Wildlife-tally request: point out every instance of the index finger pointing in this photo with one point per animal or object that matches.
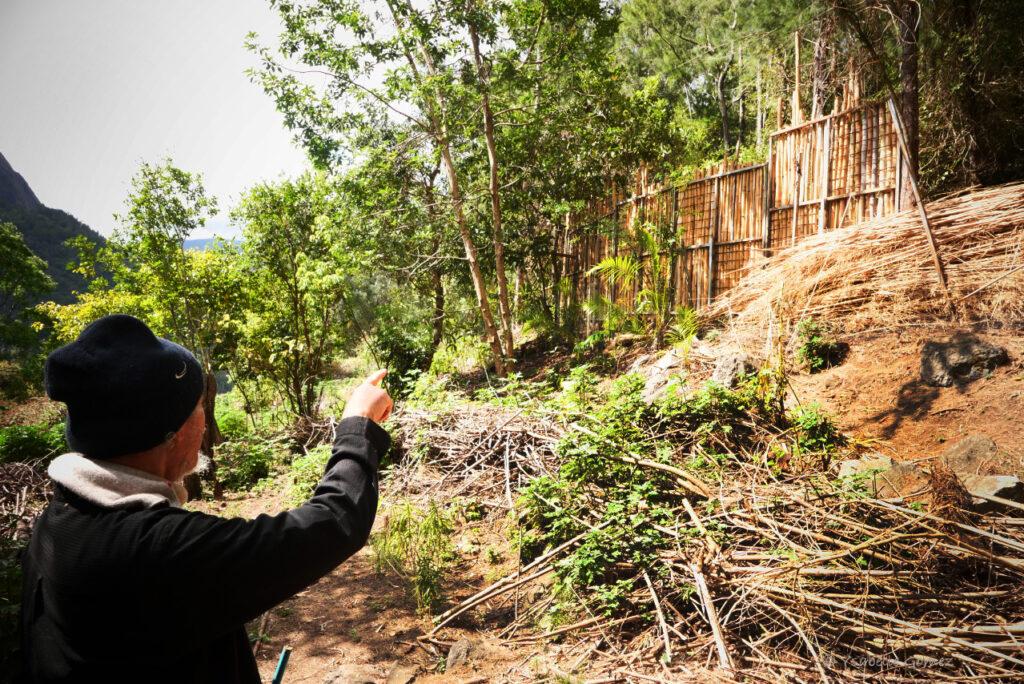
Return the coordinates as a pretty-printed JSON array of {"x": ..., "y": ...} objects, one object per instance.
[{"x": 377, "y": 377}]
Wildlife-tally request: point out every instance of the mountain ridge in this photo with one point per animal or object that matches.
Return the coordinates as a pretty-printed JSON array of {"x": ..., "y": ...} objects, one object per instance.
[{"x": 44, "y": 230}]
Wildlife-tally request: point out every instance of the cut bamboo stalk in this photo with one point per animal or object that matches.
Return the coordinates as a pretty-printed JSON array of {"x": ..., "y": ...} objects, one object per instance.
[
  {"x": 901, "y": 138},
  {"x": 724, "y": 659}
]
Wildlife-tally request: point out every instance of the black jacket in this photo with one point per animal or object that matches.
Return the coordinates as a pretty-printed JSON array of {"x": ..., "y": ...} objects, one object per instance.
[{"x": 162, "y": 594}]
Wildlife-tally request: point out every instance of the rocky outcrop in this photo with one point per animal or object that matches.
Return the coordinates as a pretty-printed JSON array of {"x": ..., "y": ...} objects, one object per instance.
[
  {"x": 974, "y": 455},
  {"x": 731, "y": 367},
  {"x": 959, "y": 360},
  {"x": 884, "y": 478}
]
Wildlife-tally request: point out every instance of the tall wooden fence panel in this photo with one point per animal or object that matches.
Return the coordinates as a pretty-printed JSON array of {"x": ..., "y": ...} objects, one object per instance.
[
  {"x": 820, "y": 175},
  {"x": 831, "y": 172}
]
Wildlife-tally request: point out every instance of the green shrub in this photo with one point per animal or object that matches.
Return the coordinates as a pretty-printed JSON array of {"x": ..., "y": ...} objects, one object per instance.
[
  {"x": 686, "y": 326},
  {"x": 595, "y": 342},
  {"x": 13, "y": 384},
  {"x": 233, "y": 422},
  {"x": 306, "y": 473},
  {"x": 815, "y": 431},
  {"x": 243, "y": 462},
  {"x": 819, "y": 348},
  {"x": 405, "y": 352},
  {"x": 31, "y": 442},
  {"x": 417, "y": 544}
]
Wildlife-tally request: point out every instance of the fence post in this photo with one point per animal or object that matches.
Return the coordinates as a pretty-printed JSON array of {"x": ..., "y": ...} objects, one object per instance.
[
  {"x": 796, "y": 189},
  {"x": 899, "y": 177},
  {"x": 673, "y": 254},
  {"x": 615, "y": 248},
  {"x": 769, "y": 174},
  {"x": 712, "y": 238},
  {"x": 826, "y": 170}
]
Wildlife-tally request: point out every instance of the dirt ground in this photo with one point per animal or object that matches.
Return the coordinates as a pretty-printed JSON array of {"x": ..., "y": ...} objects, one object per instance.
[
  {"x": 877, "y": 396},
  {"x": 358, "y": 625}
]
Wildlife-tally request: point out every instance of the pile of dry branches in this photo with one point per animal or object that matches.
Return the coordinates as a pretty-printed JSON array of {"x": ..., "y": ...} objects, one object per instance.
[
  {"x": 479, "y": 450},
  {"x": 881, "y": 273},
  {"x": 797, "y": 577},
  {"x": 24, "y": 491}
]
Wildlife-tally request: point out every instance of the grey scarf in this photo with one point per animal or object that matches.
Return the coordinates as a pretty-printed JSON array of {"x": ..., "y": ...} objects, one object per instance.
[{"x": 112, "y": 485}]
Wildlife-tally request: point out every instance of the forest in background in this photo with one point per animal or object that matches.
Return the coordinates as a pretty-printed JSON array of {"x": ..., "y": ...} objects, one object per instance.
[{"x": 449, "y": 142}]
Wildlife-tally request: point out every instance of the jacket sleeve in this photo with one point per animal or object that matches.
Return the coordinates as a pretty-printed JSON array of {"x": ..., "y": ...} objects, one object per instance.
[{"x": 219, "y": 573}]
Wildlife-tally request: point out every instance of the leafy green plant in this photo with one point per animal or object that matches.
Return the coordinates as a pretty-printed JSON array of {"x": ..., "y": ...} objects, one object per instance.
[
  {"x": 686, "y": 326},
  {"x": 31, "y": 442},
  {"x": 815, "y": 432},
  {"x": 232, "y": 421},
  {"x": 244, "y": 461},
  {"x": 818, "y": 348},
  {"x": 403, "y": 346},
  {"x": 416, "y": 543},
  {"x": 594, "y": 342},
  {"x": 306, "y": 472}
]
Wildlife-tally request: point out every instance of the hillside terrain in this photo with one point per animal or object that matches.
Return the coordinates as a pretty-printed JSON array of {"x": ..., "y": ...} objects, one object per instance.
[
  {"x": 361, "y": 623},
  {"x": 45, "y": 230}
]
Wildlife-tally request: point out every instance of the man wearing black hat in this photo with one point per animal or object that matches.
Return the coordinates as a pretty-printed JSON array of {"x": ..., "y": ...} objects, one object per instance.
[{"x": 121, "y": 583}]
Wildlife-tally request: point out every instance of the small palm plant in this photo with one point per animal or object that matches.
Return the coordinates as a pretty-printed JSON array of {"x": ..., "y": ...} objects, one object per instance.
[{"x": 652, "y": 274}]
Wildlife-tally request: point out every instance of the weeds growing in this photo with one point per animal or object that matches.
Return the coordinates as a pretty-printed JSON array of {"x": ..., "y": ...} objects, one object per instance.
[{"x": 417, "y": 544}]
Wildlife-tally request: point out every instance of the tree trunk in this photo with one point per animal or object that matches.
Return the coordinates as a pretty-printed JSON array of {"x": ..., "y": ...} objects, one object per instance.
[
  {"x": 965, "y": 19},
  {"x": 438, "y": 320},
  {"x": 723, "y": 106},
  {"x": 439, "y": 131},
  {"x": 496, "y": 225},
  {"x": 909, "y": 86},
  {"x": 818, "y": 79},
  {"x": 557, "y": 270},
  {"x": 491, "y": 330},
  {"x": 211, "y": 438},
  {"x": 760, "y": 109}
]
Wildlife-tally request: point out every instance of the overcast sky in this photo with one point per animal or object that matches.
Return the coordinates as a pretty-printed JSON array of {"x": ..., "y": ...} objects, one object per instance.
[{"x": 90, "y": 88}]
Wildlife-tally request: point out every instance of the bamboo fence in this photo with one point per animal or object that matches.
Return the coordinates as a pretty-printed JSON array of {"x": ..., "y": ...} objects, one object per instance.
[{"x": 820, "y": 175}]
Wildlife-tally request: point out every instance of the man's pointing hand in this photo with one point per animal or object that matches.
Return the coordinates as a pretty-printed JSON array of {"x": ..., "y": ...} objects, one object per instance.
[{"x": 369, "y": 400}]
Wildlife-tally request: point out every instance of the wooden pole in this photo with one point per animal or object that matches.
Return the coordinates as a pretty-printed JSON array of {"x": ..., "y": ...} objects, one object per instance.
[
  {"x": 769, "y": 173},
  {"x": 797, "y": 114},
  {"x": 796, "y": 189},
  {"x": 673, "y": 255},
  {"x": 899, "y": 179},
  {"x": 826, "y": 170},
  {"x": 615, "y": 249},
  {"x": 713, "y": 238},
  {"x": 912, "y": 177}
]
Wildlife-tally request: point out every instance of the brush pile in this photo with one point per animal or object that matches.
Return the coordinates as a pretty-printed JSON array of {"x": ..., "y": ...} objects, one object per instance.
[
  {"x": 480, "y": 450},
  {"x": 24, "y": 491},
  {"x": 881, "y": 273},
  {"x": 725, "y": 543}
]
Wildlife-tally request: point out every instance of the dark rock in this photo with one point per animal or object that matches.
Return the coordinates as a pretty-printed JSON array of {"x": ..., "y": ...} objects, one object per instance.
[
  {"x": 959, "y": 360},
  {"x": 974, "y": 455},
  {"x": 458, "y": 654},
  {"x": 625, "y": 341}
]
